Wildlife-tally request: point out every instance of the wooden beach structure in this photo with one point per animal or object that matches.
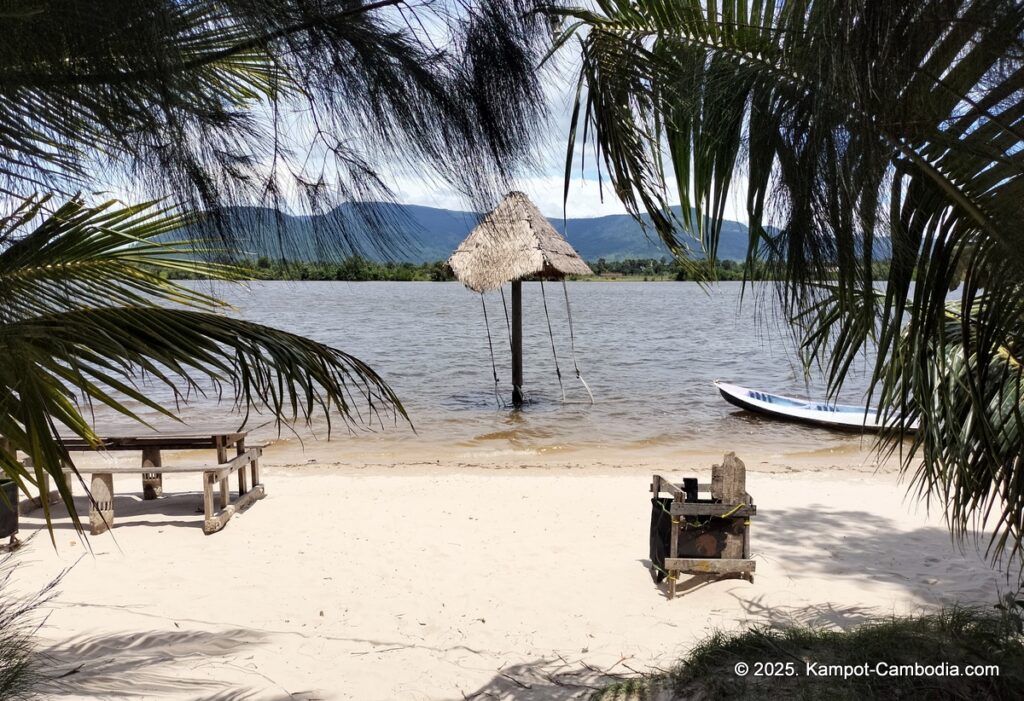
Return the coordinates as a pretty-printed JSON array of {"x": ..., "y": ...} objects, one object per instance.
[
  {"x": 215, "y": 478},
  {"x": 702, "y": 536},
  {"x": 514, "y": 242}
]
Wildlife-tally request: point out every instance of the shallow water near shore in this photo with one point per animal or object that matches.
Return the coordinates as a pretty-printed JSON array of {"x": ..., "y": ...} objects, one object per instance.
[{"x": 648, "y": 351}]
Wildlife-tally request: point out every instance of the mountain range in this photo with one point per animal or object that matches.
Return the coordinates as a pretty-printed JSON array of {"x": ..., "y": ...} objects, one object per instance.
[{"x": 421, "y": 234}]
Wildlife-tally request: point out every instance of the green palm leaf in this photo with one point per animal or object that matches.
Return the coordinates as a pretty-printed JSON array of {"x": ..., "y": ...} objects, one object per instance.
[
  {"x": 239, "y": 101},
  {"x": 863, "y": 130},
  {"x": 83, "y": 322}
]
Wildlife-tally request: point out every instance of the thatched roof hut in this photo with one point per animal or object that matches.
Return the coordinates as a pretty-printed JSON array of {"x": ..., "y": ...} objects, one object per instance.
[{"x": 512, "y": 242}]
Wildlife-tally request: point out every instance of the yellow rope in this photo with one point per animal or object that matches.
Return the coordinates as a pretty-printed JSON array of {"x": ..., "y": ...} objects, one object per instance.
[{"x": 731, "y": 511}]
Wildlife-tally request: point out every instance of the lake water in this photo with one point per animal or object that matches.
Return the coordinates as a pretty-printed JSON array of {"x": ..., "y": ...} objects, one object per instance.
[{"x": 649, "y": 352}]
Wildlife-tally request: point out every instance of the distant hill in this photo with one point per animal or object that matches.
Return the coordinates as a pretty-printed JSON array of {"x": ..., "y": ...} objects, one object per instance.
[{"x": 423, "y": 234}]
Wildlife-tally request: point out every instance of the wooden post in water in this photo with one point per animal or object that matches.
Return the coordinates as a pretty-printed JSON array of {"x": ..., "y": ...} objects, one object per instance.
[{"x": 517, "y": 343}]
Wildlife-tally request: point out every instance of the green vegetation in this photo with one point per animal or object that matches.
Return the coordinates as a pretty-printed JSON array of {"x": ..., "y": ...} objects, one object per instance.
[
  {"x": 21, "y": 668},
  {"x": 353, "y": 268},
  {"x": 197, "y": 101},
  {"x": 850, "y": 125},
  {"x": 668, "y": 269},
  {"x": 83, "y": 311},
  {"x": 357, "y": 268},
  {"x": 890, "y": 648}
]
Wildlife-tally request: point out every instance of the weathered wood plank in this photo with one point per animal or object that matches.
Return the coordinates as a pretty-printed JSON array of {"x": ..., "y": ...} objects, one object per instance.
[
  {"x": 690, "y": 508},
  {"x": 239, "y": 461},
  {"x": 239, "y": 451},
  {"x": 729, "y": 480},
  {"x": 214, "y": 523},
  {"x": 665, "y": 486},
  {"x": 254, "y": 468},
  {"x": 152, "y": 480},
  {"x": 710, "y": 566},
  {"x": 208, "y": 509},
  {"x": 746, "y": 532},
  {"x": 232, "y": 464},
  {"x": 138, "y": 469},
  {"x": 673, "y": 548},
  {"x": 101, "y": 511},
  {"x": 101, "y": 515},
  {"x": 165, "y": 441}
]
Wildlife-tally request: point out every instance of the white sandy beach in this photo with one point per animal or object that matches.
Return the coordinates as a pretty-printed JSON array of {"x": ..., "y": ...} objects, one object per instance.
[{"x": 425, "y": 581}]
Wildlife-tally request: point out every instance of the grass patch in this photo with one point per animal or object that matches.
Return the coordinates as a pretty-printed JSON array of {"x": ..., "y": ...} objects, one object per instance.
[
  {"x": 21, "y": 662},
  {"x": 948, "y": 642}
]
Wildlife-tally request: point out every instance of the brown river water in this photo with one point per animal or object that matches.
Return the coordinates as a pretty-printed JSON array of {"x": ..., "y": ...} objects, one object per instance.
[{"x": 648, "y": 351}]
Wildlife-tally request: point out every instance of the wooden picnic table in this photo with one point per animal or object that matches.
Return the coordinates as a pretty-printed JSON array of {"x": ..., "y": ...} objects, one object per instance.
[{"x": 152, "y": 469}]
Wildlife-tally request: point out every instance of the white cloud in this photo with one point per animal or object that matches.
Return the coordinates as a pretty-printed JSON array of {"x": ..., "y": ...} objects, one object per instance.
[
  {"x": 546, "y": 191},
  {"x": 546, "y": 187}
]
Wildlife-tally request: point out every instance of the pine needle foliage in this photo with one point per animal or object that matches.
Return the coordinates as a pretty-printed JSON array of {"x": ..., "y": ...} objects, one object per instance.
[
  {"x": 202, "y": 104},
  {"x": 287, "y": 103}
]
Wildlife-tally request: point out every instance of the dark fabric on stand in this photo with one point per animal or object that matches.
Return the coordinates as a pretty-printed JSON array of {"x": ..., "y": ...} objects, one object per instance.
[
  {"x": 8, "y": 508},
  {"x": 661, "y": 534}
]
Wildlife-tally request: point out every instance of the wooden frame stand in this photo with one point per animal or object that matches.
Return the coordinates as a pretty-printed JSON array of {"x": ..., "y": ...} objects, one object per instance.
[{"x": 707, "y": 536}]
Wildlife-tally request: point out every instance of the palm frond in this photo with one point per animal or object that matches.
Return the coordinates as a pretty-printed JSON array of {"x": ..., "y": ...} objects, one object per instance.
[
  {"x": 79, "y": 256},
  {"x": 865, "y": 130},
  {"x": 256, "y": 101},
  {"x": 86, "y": 318}
]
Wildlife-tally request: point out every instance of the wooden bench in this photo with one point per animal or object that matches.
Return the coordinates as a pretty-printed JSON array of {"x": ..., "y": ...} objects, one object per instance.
[
  {"x": 709, "y": 536},
  {"x": 101, "y": 512},
  {"x": 245, "y": 465}
]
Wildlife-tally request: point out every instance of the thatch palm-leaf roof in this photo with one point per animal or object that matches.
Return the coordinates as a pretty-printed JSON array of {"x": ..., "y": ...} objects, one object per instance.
[{"x": 512, "y": 242}]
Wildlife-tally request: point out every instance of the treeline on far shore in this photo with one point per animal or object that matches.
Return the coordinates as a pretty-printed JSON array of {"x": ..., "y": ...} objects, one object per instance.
[{"x": 358, "y": 269}]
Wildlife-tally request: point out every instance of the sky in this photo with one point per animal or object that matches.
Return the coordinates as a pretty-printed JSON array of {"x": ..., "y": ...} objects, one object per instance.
[{"x": 546, "y": 186}]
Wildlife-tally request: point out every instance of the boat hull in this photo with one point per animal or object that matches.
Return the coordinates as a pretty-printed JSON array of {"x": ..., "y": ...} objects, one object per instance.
[{"x": 834, "y": 416}]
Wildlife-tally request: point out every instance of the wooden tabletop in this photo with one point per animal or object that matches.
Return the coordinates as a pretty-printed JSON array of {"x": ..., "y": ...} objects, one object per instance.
[{"x": 163, "y": 441}]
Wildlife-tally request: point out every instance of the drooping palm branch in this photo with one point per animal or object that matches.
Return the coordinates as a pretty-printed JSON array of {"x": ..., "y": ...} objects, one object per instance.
[
  {"x": 216, "y": 103},
  {"x": 283, "y": 102},
  {"x": 85, "y": 316},
  {"x": 859, "y": 130}
]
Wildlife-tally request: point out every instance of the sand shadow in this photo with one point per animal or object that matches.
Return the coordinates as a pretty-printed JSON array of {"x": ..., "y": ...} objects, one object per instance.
[
  {"x": 150, "y": 665},
  {"x": 178, "y": 510},
  {"x": 687, "y": 583},
  {"x": 819, "y": 540},
  {"x": 549, "y": 680},
  {"x": 826, "y": 615}
]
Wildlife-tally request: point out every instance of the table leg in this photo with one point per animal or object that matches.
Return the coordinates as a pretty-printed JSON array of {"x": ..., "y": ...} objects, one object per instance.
[
  {"x": 152, "y": 482},
  {"x": 66, "y": 473},
  {"x": 225, "y": 490},
  {"x": 254, "y": 470},
  {"x": 240, "y": 450},
  {"x": 208, "y": 495},
  {"x": 101, "y": 512}
]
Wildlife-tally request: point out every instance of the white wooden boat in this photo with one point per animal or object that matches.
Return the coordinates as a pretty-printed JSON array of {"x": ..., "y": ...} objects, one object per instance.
[{"x": 841, "y": 416}]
